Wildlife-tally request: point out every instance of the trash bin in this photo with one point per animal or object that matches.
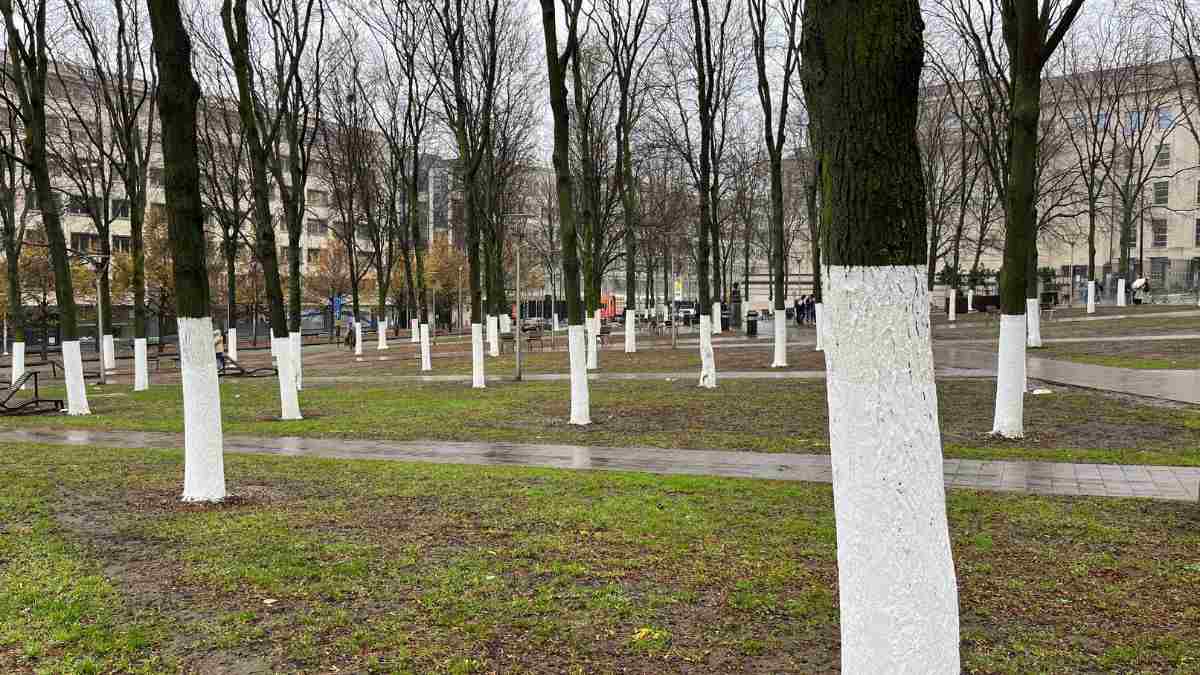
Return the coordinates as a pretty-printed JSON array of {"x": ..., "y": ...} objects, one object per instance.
[
  {"x": 752, "y": 323},
  {"x": 724, "y": 320}
]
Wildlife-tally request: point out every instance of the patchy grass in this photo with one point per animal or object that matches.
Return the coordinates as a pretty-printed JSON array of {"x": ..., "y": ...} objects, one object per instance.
[
  {"x": 412, "y": 568},
  {"x": 1137, "y": 324},
  {"x": 1143, "y": 354},
  {"x": 758, "y": 416}
]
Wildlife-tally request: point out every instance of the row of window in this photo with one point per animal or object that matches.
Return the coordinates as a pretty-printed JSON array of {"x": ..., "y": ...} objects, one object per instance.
[
  {"x": 1134, "y": 119},
  {"x": 90, "y": 243},
  {"x": 1159, "y": 233}
]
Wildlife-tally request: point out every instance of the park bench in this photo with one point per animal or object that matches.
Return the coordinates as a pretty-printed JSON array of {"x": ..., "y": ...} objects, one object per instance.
[
  {"x": 234, "y": 369},
  {"x": 534, "y": 335},
  {"x": 33, "y": 406}
]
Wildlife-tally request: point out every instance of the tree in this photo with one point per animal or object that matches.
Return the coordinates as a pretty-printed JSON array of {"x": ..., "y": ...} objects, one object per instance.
[
  {"x": 24, "y": 91},
  {"x": 775, "y": 135},
  {"x": 12, "y": 230},
  {"x": 556, "y": 69},
  {"x": 862, "y": 65},
  {"x": 179, "y": 94}
]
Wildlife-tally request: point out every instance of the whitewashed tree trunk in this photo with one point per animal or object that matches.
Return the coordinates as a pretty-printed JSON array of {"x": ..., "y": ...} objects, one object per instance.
[
  {"x": 381, "y": 343},
  {"x": 555, "y": 317},
  {"x": 203, "y": 440},
  {"x": 708, "y": 362},
  {"x": 580, "y": 404},
  {"x": 426, "y": 359},
  {"x": 970, "y": 300},
  {"x": 77, "y": 403},
  {"x": 1010, "y": 378},
  {"x": 358, "y": 338},
  {"x": 630, "y": 333},
  {"x": 896, "y": 582},
  {"x": 1033, "y": 322},
  {"x": 716, "y": 318},
  {"x": 231, "y": 344},
  {"x": 593, "y": 341},
  {"x": 477, "y": 376},
  {"x": 18, "y": 360},
  {"x": 953, "y": 307},
  {"x": 1091, "y": 299},
  {"x": 1120, "y": 292},
  {"x": 414, "y": 326},
  {"x": 818, "y": 324},
  {"x": 780, "y": 327},
  {"x": 297, "y": 361},
  {"x": 493, "y": 335},
  {"x": 141, "y": 366},
  {"x": 505, "y": 324},
  {"x": 110, "y": 353},
  {"x": 289, "y": 402}
]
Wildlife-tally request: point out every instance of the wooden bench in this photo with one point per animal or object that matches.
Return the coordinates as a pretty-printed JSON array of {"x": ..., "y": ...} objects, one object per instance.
[
  {"x": 533, "y": 335},
  {"x": 33, "y": 406},
  {"x": 234, "y": 369}
]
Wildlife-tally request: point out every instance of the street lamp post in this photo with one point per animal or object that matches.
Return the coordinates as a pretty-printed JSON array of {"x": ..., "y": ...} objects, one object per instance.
[
  {"x": 460, "y": 303},
  {"x": 517, "y": 338}
]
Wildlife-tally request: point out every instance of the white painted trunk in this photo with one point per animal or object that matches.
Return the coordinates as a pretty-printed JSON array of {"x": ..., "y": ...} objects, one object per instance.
[
  {"x": 1120, "y": 292},
  {"x": 381, "y": 342},
  {"x": 231, "y": 344},
  {"x": 274, "y": 356},
  {"x": 297, "y": 359},
  {"x": 110, "y": 353},
  {"x": 77, "y": 403},
  {"x": 716, "y": 318},
  {"x": 289, "y": 402},
  {"x": 493, "y": 335},
  {"x": 141, "y": 366},
  {"x": 1091, "y": 299},
  {"x": 580, "y": 404},
  {"x": 1010, "y": 378},
  {"x": 505, "y": 323},
  {"x": 555, "y": 317},
  {"x": 1033, "y": 322},
  {"x": 593, "y": 341},
  {"x": 630, "y": 333},
  {"x": 477, "y": 377},
  {"x": 358, "y": 338},
  {"x": 898, "y": 598},
  {"x": 970, "y": 300},
  {"x": 819, "y": 325},
  {"x": 953, "y": 308},
  {"x": 708, "y": 362},
  {"x": 414, "y": 326},
  {"x": 780, "y": 323},
  {"x": 426, "y": 360},
  {"x": 18, "y": 360},
  {"x": 203, "y": 441}
]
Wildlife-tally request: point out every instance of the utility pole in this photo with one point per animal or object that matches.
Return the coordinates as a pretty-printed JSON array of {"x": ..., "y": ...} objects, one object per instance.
[{"x": 517, "y": 336}]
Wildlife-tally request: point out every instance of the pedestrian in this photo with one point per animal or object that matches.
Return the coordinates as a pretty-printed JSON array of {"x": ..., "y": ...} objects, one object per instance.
[
  {"x": 797, "y": 307},
  {"x": 810, "y": 309},
  {"x": 219, "y": 346}
]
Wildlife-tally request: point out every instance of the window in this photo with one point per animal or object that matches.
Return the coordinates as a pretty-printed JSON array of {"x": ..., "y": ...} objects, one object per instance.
[
  {"x": 283, "y": 255},
  {"x": 77, "y": 205},
  {"x": 1162, "y": 191},
  {"x": 1198, "y": 231},
  {"x": 317, "y": 227},
  {"x": 155, "y": 175},
  {"x": 1159, "y": 227},
  {"x": 1158, "y": 270},
  {"x": 1102, "y": 120},
  {"x": 120, "y": 244},
  {"x": 1136, "y": 119},
  {"x": 1162, "y": 158},
  {"x": 1166, "y": 119},
  {"x": 314, "y": 256},
  {"x": 317, "y": 197},
  {"x": 120, "y": 208},
  {"x": 1078, "y": 120},
  {"x": 82, "y": 241}
]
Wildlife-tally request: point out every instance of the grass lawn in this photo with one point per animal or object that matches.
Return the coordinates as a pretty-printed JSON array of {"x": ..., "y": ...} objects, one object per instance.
[
  {"x": 317, "y": 565},
  {"x": 1138, "y": 325},
  {"x": 759, "y": 416},
  {"x": 1132, "y": 353}
]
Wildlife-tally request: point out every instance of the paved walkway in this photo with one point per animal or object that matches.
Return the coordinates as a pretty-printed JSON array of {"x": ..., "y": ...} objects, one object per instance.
[
  {"x": 1048, "y": 478},
  {"x": 602, "y": 376}
]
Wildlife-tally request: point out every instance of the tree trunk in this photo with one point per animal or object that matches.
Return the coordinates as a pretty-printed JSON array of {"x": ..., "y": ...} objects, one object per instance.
[
  {"x": 137, "y": 249},
  {"x": 862, "y": 64},
  {"x": 204, "y": 474}
]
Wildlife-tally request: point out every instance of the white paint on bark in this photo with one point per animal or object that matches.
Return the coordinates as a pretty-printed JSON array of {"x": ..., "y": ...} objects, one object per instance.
[
  {"x": 414, "y": 326},
  {"x": 505, "y": 323},
  {"x": 77, "y": 403},
  {"x": 593, "y": 341},
  {"x": 493, "y": 335},
  {"x": 1120, "y": 292},
  {"x": 970, "y": 300},
  {"x": 818, "y": 324},
  {"x": 141, "y": 366},
  {"x": 110, "y": 353},
  {"x": 289, "y": 401},
  {"x": 556, "y": 322},
  {"x": 897, "y": 593},
  {"x": 296, "y": 353},
  {"x": 952, "y": 308},
  {"x": 477, "y": 377},
  {"x": 780, "y": 322},
  {"x": 203, "y": 442},
  {"x": 630, "y": 333},
  {"x": 426, "y": 360},
  {"x": 708, "y": 362},
  {"x": 1010, "y": 378},
  {"x": 1033, "y": 322},
  {"x": 358, "y": 338},
  {"x": 716, "y": 318},
  {"x": 18, "y": 360},
  {"x": 580, "y": 404},
  {"x": 1091, "y": 298},
  {"x": 381, "y": 342},
  {"x": 231, "y": 344}
]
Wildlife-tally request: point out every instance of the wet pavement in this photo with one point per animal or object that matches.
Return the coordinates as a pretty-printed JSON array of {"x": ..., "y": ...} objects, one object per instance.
[
  {"x": 1046, "y": 478},
  {"x": 610, "y": 377}
]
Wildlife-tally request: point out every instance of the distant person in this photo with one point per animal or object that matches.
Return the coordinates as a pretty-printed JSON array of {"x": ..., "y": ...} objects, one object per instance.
[
  {"x": 797, "y": 308},
  {"x": 219, "y": 346}
]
